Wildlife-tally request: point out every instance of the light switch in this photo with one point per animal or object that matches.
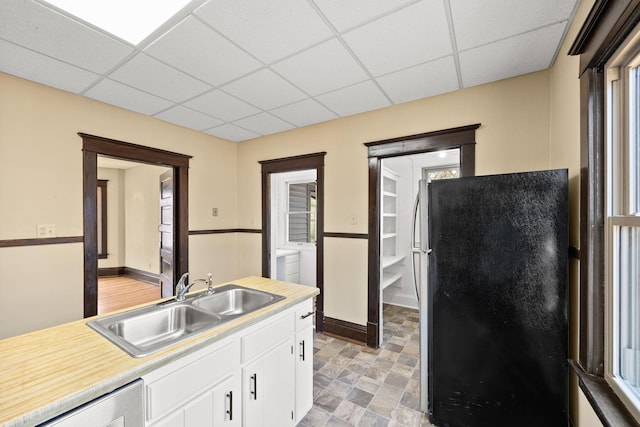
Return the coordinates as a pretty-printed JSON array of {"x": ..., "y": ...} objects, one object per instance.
[
  {"x": 46, "y": 230},
  {"x": 214, "y": 211}
]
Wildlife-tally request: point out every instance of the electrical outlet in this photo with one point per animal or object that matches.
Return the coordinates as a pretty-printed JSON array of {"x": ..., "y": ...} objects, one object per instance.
[
  {"x": 46, "y": 230},
  {"x": 354, "y": 220},
  {"x": 214, "y": 211}
]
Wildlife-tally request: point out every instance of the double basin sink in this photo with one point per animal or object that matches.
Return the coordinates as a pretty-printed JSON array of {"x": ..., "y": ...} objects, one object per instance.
[{"x": 149, "y": 329}]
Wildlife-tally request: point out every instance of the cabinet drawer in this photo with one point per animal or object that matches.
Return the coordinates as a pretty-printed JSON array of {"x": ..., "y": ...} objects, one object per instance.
[
  {"x": 290, "y": 259},
  {"x": 304, "y": 315},
  {"x": 175, "y": 386},
  {"x": 261, "y": 340}
]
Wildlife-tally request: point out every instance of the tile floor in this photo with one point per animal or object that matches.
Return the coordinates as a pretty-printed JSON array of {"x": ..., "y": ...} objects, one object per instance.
[{"x": 360, "y": 386}]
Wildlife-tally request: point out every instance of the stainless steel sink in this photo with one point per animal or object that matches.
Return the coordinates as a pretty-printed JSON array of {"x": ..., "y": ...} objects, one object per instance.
[
  {"x": 233, "y": 301},
  {"x": 148, "y": 329}
]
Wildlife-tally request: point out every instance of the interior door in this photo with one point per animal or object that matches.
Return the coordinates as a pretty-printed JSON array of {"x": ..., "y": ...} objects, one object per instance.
[{"x": 167, "y": 281}]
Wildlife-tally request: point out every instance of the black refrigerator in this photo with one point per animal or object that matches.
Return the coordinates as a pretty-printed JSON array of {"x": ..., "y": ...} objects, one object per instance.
[{"x": 497, "y": 300}]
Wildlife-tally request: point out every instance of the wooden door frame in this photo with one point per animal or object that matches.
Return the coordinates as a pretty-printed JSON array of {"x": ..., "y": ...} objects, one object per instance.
[
  {"x": 460, "y": 137},
  {"x": 290, "y": 164},
  {"x": 164, "y": 177},
  {"x": 92, "y": 146}
]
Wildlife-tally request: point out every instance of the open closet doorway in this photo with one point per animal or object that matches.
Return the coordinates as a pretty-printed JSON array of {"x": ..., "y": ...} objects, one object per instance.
[
  {"x": 399, "y": 252},
  {"x": 293, "y": 223}
]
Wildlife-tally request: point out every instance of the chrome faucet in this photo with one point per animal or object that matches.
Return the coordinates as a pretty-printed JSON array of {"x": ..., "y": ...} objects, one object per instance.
[{"x": 183, "y": 287}]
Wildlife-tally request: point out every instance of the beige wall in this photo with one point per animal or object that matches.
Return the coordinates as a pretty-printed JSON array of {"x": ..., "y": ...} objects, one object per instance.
[
  {"x": 115, "y": 218},
  {"x": 41, "y": 183},
  {"x": 142, "y": 217},
  {"x": 564, "y": 151},
  {"x": 514, "y": 136}
]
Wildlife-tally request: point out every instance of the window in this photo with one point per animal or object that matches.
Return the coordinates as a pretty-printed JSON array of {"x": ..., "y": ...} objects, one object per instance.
[
  {"x": 622, "y": 225},
  {"x": 301, "y": 212}
]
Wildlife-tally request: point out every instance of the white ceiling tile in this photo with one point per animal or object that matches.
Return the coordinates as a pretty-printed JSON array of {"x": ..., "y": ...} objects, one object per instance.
[
  {"x": 344, "y": 15},
  {"x": 264, "y": 89},
  {"x": 264, "y": 124},
  {"x": 231, "y": 132},
  {"x": 421, "y": 81},
  {"x": 270, "y": 30},
  {"x": 33, "y": 66},
  {"x": 221, "y": 105},
  {"x": 304, "y": 113},
  {"x": 117, "y": 94},
  {"x": 480, "y": 22},
  {"x": 198, "y": 50},
  {"x": 511, "y": 57},
  {"x": 188, "y": 118},
  {"x": 151, "y": 75},
  {"x": 43, "y": 30},
  {"x": 321, "y": 69},
  {"x": 355, "y": 99},
  {"x": 411, "y": 36}
]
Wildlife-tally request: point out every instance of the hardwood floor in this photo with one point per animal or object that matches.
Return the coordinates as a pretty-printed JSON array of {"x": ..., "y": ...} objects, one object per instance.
[{"x": 115, "y": 293}]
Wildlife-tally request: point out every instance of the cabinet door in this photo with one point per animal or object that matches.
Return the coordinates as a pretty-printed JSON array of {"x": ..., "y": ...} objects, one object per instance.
[
  {"x": 268, "y": 389},
  {"x": 279, "y": 374},
  {"x": 226, "y": 403},
  {"x": 176, "y": 419},
  {"x": 218, "y": 406},
  {"x": 252, "y": 394},
  {"x": 304, "y": 373}
]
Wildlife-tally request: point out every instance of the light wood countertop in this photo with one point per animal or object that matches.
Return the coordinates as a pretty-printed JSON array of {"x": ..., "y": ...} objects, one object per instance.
[{"x": 48, "y": 372}]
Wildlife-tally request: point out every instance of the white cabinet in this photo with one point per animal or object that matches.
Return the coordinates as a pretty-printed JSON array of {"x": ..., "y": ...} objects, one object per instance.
[
  {"x": 288, "y": 265},
  {"x": 268, "y": 373},
  {"x": 268, "y": 388},
  {"x": 193, "y": 391},
  {"x": 304, "y": 359},
  {"x": 260, "y": 376}
]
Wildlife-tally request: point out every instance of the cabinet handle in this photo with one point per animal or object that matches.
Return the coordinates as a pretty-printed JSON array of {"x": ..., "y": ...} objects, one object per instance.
[
  {"x": 230, "y": 410},
  {"x": 304, "y": 316},
  {"x": 254, "y": 392},
  {"x": 302, "y": 350}
]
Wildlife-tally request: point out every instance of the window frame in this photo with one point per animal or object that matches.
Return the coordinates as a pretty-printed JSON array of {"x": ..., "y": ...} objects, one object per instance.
[
  {"x": 607, "y": 25},
  {"x": 622, "y": 171},
  {"x": 288, "y": 212}
]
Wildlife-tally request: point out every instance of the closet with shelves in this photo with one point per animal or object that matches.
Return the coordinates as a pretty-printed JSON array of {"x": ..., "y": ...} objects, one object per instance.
[{"x": 391, "y": 265}]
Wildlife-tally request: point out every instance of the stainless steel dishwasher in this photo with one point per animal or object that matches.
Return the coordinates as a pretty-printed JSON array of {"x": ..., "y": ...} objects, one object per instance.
[{"x": 122, "y": 407}]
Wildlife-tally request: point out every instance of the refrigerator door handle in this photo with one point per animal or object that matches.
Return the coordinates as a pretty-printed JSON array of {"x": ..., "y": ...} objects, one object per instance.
[
  {"x": 414, "y": 218},
  {"x": 423, "y": 199}
]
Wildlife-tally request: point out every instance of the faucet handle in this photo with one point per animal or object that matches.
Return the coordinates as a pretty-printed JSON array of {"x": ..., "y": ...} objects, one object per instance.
[{"x": 210, "y": 283}]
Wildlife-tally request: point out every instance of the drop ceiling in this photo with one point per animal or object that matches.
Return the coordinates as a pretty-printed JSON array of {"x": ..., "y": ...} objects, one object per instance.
[{"x": 240, "y": 69}]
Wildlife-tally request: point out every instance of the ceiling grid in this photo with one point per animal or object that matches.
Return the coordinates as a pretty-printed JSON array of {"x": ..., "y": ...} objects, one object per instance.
[{"x": 240, "y": 69}]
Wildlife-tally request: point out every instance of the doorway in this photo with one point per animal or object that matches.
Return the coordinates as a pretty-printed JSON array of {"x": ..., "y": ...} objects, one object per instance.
[
  {"x": 462, "y": 138},
  {"x": 94, "y": 146},
  {"x": 399, "y": 241},
  {"x": 133, "y": 204},
  {"x": 291, "y": 236},
  {"x": 294, "y": 200}
]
